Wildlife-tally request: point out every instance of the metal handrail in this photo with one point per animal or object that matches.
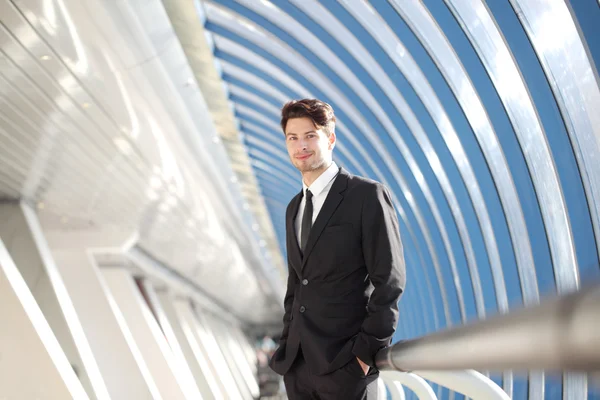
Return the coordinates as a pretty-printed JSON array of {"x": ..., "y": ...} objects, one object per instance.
[{"x": 562, "y": 333}]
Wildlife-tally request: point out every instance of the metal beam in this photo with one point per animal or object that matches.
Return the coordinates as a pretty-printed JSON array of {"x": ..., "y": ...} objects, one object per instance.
[{"x": 561, "y": 334}]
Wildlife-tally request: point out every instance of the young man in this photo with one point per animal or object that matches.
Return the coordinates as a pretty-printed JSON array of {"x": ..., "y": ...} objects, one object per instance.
[{"x": 346, "y": 267}]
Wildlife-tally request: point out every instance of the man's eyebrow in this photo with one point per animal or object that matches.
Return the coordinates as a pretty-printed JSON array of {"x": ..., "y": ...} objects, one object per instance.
[{"x": 293, "y": 133}]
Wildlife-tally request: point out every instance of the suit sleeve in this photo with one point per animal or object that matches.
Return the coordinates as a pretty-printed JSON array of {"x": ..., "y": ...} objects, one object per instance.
[
  {"x": 384, "y": 259},
  {"x": 288, "y": 301},
  {"x": 292, "y": 280}
]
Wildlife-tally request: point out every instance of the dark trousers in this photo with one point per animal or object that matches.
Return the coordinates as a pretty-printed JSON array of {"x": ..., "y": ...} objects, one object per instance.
[{"x": 347, "y": 383}]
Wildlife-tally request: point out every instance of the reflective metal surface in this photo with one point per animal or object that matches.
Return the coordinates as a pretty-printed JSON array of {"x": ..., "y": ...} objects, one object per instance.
[
  {"x": 495, "y": 55},
  {"x": 562, "y": 54},
  {"x": 438, "y": 47},
  {"x": 561, "y": 51},
  {"x": 561, "y": 333}
]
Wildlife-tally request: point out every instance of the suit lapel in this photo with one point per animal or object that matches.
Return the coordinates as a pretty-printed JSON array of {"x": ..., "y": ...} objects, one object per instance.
[
  {"x": 333, "y": 200},
  {"x": 294, "y": 253}
]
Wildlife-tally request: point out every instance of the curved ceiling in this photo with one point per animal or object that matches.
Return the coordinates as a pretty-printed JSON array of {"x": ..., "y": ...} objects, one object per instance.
[
  {"x": 105, "y": 131},
  {"x": 480, "y": 117}
]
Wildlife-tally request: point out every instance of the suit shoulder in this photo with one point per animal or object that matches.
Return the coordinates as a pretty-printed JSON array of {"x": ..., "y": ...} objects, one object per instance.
[
  {"x": 366, "y": 184},
  {"x": 290, "y": 203},
  {"x": 371, "y": 191},
  {"x": 289, "y": 206}
]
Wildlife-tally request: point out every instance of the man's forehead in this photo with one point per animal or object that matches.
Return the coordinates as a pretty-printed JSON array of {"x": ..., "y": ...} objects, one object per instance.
[{"x": 301, "y": 122}]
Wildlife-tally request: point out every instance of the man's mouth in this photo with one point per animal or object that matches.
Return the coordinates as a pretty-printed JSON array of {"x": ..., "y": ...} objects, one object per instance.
[{"x": 303, "y": 156}]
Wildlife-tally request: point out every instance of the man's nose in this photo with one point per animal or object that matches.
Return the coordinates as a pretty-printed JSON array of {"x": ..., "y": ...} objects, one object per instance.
[{"x": 301, "y": 143}]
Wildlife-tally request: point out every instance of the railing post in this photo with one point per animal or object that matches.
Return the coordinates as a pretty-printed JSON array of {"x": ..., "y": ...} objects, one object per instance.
[
  {"x": 395, "y": 380},
  {"x": 381, "y": 389},
  {"x": 468, "y": 382},
  {"x": 395, "y": 388}
]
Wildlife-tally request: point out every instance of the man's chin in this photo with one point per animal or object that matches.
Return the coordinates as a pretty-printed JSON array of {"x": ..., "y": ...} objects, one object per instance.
[
  {"x": 306, "y": 168},
  {"x": 303, "y": 168}
]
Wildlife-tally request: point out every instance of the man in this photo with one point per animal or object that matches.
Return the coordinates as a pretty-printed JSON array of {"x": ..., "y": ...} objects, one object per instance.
[{"x": 346, "y": 267}]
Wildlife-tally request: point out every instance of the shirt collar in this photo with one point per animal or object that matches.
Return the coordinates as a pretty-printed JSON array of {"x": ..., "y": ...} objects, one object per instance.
[{"x": 323, "y": 180}]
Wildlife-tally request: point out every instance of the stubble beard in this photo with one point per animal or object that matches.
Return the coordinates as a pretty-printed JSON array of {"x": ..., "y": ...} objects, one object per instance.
[{"x": 314, "y": 166}]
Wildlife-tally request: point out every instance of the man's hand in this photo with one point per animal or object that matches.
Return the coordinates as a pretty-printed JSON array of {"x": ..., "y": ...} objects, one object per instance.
[{"x": 364, "y": 366}]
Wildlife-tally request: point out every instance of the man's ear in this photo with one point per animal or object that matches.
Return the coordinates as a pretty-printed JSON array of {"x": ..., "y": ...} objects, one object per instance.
[{"x": 332, "y": 139}]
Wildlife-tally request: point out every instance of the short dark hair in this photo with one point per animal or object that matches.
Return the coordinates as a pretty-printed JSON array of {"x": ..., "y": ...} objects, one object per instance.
[{"x": 318, "y": 111}]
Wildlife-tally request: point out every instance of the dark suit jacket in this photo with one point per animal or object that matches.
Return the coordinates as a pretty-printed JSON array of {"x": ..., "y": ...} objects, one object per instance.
[{"x": 342, "y": 294}]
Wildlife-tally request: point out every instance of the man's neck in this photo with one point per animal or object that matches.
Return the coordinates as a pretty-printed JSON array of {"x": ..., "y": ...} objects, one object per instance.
[{"x": 309, "y": 177}]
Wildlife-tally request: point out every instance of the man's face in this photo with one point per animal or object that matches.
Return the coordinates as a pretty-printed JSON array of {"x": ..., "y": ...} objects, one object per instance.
[{"x": 309, "y": 149}]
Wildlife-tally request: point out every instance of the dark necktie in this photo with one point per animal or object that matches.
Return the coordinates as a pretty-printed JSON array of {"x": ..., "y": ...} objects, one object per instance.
[{"x": 306, "y": 220}]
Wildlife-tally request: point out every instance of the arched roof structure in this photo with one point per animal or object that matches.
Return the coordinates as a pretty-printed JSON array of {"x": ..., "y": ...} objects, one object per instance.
[{"x": 479, "y": 116}]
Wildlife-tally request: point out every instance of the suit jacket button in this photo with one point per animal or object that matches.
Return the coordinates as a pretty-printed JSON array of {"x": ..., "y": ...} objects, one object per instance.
[
  {"x": 302, "y": 309},
  {"x": 305, "y": 282}
]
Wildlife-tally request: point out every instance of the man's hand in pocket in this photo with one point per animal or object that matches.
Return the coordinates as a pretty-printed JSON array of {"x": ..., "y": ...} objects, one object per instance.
[{"x": 364, "y": 366}]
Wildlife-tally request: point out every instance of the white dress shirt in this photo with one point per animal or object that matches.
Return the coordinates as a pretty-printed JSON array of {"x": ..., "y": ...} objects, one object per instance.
[{"x": 319, "y": 188}]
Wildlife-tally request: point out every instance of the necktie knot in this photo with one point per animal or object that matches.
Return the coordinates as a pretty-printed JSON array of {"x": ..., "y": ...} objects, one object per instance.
[{"x": 309, "y": 195}]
